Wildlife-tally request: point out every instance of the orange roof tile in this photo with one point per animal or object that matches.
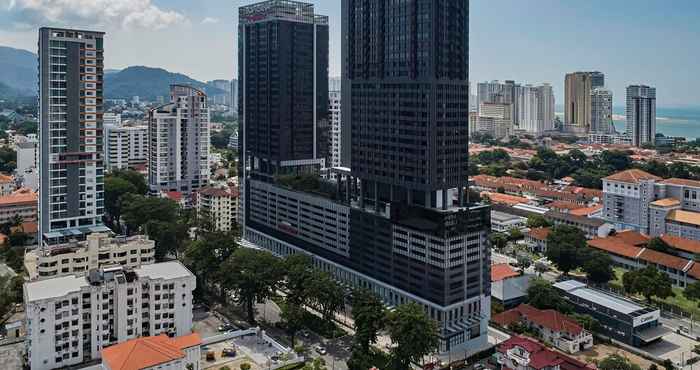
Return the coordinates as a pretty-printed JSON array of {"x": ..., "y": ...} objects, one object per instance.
[
  {"x": 561, "y": 204},
  {"x": 632, "y": 176},
  {"x": 504, "y": 198},
  {"x": 141, "y": 353},
  {"x": 587, "y": 210},
  {"x": 663, "y": 259},
  {"x": 632, "y": 237},
  {"x": 20, "y": 196},
  {"x": 187, "y": 341},
  {"x": 686, "y": 245},
  {"x": 694, "y": 271},
  {"x": 686, "y": 217},
  {"x": 682, "y": 182},
  {"x": 615, "y": 246},
  {"x": 5, "y": 178},
  {"x": 502, "y": 271},
  {"x": 539, "y": 233},
  {"x": 666, "y": 202},
  {"x": 27, "y": 227},
  {"x": 551, "y": 319}
]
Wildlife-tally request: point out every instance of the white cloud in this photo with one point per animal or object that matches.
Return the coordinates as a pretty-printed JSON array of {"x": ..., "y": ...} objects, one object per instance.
[
  {"x": 123, "y": 13},
  {"x": 210, "y": 20}
]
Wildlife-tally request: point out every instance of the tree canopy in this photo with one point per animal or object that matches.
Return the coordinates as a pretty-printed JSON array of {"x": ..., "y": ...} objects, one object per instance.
[
  {"x": 598, "y": 267},
  {"x": 649, "y": 282},
  {"x": 413, "y": 334},
  {"x": 617, "y": 362},
  {"x": 566, "y": 248}
]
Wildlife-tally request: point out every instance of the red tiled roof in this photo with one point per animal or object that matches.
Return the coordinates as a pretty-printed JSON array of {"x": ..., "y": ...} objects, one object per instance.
[
  {"x": 5, "y": 178},
  {"x": 27, "y": 227},
  {"x": 682, "y": 182},
  {"x": 141, "y": 353},
  {"x": 694, "y": 271},
  {"x": 502, "y": 271},
  {"x": 174, "y": 195},
  {"x": 504, "y": 198},
  {"x": 664, "y": 259},
  {"x": 587, "y": 210},
  {"x": 541, "y": 357},
  {"x": 187, "y": 341},
  {"x": 506, "y": 318},
  {"x": 615, "y": 246},
  {"x": 632, "y": 237},
  {"x": 561, "y": 204},
  {"x": 686, "y": 245},
  {"x": 539, "y": 233},
  {"x": 632, "y": 176},
  {"x": 551, "y": 319},
  {"x": 20, "y": 196}
]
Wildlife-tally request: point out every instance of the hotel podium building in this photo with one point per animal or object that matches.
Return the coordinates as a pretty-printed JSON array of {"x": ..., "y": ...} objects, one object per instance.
[{"x": 397, "y": 221}]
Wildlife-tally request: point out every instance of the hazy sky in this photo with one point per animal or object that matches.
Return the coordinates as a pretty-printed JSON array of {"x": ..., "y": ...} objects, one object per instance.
[{"x": 655, "y": 42}]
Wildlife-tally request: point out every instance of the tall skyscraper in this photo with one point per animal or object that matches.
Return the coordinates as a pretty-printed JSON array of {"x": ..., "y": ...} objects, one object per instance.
[
  {"x": 283, "y": 64},
  {"x": 71, "y": 202},
  {"x": 234, "y": 96},
  {"x": 577, "y": 99},
  {"x": 641, "y": 114},
  {"x": 602, "y": 111},
  {"x": 178, "y": 132},
  {"x": 334, "y": 102},
  {"x": 546, "y": 108}
]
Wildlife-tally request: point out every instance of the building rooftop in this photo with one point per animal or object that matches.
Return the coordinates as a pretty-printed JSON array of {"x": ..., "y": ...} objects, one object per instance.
[
  {"x": 587, "y": 211},
  {"x": 686, "y": 217},
  {"x": 574, "y": 219},
  {"x": 666, "y": 202},
  {"x": 686, "y": 245},
  {"x": 541, "y": 357},
  {"x": 51, "y": 288},
  {"x": 682, "y": 182},
  {"x": 504, "y": 198},
  {"x": 19, "y": 196},
  {"x": 633, "y": 176},
  {"x": 503, "y": 217},
  {"x": 147, "y": 352},
  {"x": 503, "y": 271},
  {"x": 612, "y": 302},
  {"x": 163, "y": 270},
  {"x": 539, "y": 233},
  {"x": 550, "y": 319}
]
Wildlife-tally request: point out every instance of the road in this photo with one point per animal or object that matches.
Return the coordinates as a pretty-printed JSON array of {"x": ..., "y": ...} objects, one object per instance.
[{"x": 496, "y": 258}]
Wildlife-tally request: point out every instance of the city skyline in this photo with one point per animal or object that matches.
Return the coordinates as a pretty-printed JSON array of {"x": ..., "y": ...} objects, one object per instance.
[{"x": 543, "y": 53}]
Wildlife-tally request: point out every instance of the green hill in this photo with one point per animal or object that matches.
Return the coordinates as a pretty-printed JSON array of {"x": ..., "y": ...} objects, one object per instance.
[{"x": 148, "y": 83}]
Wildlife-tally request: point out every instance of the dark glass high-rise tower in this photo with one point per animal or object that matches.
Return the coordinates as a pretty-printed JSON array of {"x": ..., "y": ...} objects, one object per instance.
[
  {"x": 407, "y": 71},
  {"x": 283, "y": 86}
]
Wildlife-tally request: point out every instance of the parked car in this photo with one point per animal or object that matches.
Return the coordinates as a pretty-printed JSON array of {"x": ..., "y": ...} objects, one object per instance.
[
  {"x": 228, "y": 352},
  {"x": 211, "y": 356},
  {"x": 225, "y": 327},
  {"x": 321, "y": 351}
]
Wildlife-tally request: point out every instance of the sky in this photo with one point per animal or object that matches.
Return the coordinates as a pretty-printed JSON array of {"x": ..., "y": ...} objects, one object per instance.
[{"x": 653, "y": 42}]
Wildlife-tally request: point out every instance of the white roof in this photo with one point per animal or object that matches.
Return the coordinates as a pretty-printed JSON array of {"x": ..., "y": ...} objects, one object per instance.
[
  {"x": 164, "y": 270},
  {"x": 591, "y": 295},
  {"x": 53, "y": 288}
]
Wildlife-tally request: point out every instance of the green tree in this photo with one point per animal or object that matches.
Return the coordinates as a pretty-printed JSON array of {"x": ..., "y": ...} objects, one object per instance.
[
  {"x": 252, "y": 275},
  {"x": 245, "y": 366},
  {"x": 327, "y": 295},
  {"x": 616, "y": 160},
  {"x": 660, "y": 245},
  {"x": 134, "y": 178},
  {"x": 116, "y": 188},
  {"x": 8, "y": 160},
  {"x": 205, "y": 256},
  {"x": 413, "y": 334},
  {"x": 138, "y": 210},
  {"x": 515, "y": 234},
  {"x": 524, "y": 261},
  {"x": 292, "y": 316},
  {"x": 368, "y": 314},
  {"x": 498, "y": 240},
  {"x": 692, "y": 291},
  {"x": 617, "y": 362},
  {"x": 317, "y": 364},
  {"x": 541, "y": 294},
  {"x": 587, "y": 321},
  {"x": 300, "y": 274},
  {"x": 537, "y": 221},
  {"x": 566, "y": 248},
  {"x": 668, "y": 365},
  {"x": 649, "y": 282},
  {"x": 598, "y": 267}
]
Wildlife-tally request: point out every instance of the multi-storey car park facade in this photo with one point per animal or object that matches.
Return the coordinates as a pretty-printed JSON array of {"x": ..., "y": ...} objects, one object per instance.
[
  {"x": 71, "y": 147},
  {"x": 178, "y": 134},
  {"x": 71, "y": 319},
  {"x": 398, "y": 223}
]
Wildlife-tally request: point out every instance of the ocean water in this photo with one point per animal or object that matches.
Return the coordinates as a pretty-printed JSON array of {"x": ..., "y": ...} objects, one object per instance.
[{"x": 684, "y": 122}]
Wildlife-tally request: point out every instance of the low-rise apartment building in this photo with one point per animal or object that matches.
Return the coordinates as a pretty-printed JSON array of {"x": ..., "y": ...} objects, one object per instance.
[
  {"x": 508, "y": 285},
  {"x": 79, "y": 257},
  {"x": 158, "y": 352},
  {"x": 552, "y": 327},
  {"x": 20, "y": 203},
  {"x": 536, "y": 239},
  {"x": 504, "y": 222},
  {"x": 71, "y": 319},
  {"x": 220, "y": 205},
  {"x": 591, "y": 227}
]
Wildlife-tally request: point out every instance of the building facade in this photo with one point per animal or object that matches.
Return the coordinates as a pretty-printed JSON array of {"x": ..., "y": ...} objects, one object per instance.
[
  {"x": 71, "y": 192},
  {"x": 519, "y": 353},
  {"x": 220, "y": 205},
  {"x": 125, "y": 146},
  {"x": 152, "y": 353},
  {"x": 577, "y": 99},
  {"x": 283, "y": 58},
  {"x": 641, "y": 114},
  {"x": 602, "y": 111},
  {"x": 334, "y": 104},
  {"x": 97, "y": 251},
  {"x": 619, "y": 318},
  {"x": 71, "y": 319},
  {"x": 179, "y": 143},
  {"x": 399, "y": 226},
  {"x": 20, "y": 203}
]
